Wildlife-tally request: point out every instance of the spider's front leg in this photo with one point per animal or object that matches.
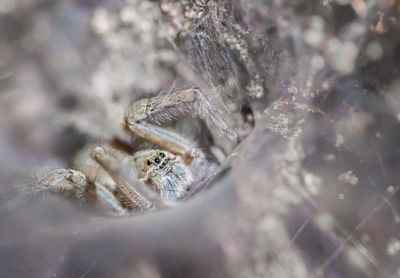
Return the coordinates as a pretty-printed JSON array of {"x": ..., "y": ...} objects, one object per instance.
[
  {"x": 170, "y": 105},
  {"x": 76, "y": 185},
  {"x": 125, "y": 177},
  {"x": 168, "y": 140}
]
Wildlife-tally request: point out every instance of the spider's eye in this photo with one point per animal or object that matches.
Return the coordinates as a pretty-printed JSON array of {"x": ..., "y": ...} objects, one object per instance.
[
  {"x": 148, "y": 162},
  {"x": 157, "y": 160},
  {"x": 164, "y": 163},
  {"x": 162, "y": 154}
]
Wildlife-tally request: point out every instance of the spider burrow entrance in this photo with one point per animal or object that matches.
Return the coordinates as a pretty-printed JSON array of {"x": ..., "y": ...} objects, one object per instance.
[{"x": 130, "y": 179}]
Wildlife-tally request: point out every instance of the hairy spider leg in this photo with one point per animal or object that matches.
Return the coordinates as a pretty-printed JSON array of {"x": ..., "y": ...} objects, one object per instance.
[
  {"x": 75, "y": 184},
  {"x": 170, "y": 105},
  {"x": 130, "y": 197},
  {"x": 167, "y": 139}
]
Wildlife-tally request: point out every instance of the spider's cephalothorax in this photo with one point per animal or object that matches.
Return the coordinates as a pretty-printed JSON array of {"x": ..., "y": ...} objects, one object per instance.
[
  {"x": 121, "y": 182},
  {"x": 163, "y": 171}
]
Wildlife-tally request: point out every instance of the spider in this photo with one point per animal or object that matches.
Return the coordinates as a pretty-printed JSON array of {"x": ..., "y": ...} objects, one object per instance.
[{"x": 150, "y": 178}]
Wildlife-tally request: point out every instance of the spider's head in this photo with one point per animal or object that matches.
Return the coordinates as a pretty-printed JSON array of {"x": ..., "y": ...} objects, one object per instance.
[{"x": 155, "y": 161}]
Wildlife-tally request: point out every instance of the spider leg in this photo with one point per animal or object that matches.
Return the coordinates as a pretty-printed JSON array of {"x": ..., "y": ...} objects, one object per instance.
[
  {"x": 75, "y": 184},
  {"x": 68, "y": 182},
  {"x": 124, "y": 180},
  {"x": 170, "y": 105},
  {"x": 167, "y": 139}
]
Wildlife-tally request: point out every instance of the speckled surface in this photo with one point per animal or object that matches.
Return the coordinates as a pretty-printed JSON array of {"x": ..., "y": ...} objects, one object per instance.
[{"x": 312, "y": 87}]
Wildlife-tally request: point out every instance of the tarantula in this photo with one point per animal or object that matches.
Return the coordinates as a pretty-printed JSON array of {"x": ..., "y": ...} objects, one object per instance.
[{"x": 149, "y": 178}]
